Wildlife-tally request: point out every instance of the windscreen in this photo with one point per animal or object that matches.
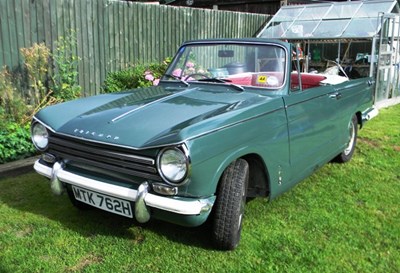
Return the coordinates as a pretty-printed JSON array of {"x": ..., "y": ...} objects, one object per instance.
[{"x": 261, "y": 66}]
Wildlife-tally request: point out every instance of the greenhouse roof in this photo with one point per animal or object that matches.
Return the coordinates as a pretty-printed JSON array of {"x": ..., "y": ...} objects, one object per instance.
[{"x": 353, "y": 19}]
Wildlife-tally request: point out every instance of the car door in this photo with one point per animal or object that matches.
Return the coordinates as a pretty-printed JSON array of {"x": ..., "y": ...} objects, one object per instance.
[{"x": 313, "y": 128}]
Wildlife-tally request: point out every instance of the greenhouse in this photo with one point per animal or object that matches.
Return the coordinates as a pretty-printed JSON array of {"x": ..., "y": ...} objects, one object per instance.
[{"x": 361, "y": 36}]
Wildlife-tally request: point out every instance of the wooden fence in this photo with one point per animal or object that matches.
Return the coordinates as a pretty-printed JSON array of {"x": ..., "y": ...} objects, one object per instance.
[{"x": 112, "y": 34}]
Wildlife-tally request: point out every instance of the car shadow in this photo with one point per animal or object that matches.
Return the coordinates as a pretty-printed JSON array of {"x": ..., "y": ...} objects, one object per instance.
[{"x": 31, "y": 193}]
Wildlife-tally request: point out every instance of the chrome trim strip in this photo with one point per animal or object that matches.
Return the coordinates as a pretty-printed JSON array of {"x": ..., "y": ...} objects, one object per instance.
[
  {"x": 44, "y": 124},
  {"x": 167, "y": 97},
  {"x": 68, "y": 143},
  {"x": 179, "y": 206}
]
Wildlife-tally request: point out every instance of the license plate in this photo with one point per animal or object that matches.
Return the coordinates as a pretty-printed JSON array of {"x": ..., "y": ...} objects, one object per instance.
[{"x": 104, "y": 202}]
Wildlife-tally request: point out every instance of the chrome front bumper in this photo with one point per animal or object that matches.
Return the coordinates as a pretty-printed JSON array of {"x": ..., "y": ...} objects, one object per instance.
[
  {"x": 142, "y": 198},
  {"x": 370, "y": 113}
]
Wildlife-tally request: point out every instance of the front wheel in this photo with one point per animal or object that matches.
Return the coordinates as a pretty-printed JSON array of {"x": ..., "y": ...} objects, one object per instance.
[
  {"x": 352, "y": 140},
  {"x": 229, "y": 206}
]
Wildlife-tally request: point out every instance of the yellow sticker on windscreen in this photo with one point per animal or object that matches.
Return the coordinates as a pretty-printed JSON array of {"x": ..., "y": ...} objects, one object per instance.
[{"x": 262, "y": 79}]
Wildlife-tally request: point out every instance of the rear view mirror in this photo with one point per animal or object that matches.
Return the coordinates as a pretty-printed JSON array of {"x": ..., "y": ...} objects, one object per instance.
[{"x": 226, "y": 53}]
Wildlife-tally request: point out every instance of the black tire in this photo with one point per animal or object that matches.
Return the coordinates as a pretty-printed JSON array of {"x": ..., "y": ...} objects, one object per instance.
[
  {"x": 229, "y": 205},
  {"x": 77, "y": 204},
  {"x": 348, "y": 152}
]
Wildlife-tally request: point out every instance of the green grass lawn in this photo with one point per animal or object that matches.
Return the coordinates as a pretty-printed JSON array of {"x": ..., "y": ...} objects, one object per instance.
[{"x": 344, "y": 218}]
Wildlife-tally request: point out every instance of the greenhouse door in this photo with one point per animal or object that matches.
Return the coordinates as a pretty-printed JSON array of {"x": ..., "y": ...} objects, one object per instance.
[{"x": 385, "y": 82}]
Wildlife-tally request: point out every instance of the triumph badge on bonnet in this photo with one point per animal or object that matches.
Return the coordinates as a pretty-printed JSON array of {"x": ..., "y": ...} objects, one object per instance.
[{"x": 82, "y": 132}]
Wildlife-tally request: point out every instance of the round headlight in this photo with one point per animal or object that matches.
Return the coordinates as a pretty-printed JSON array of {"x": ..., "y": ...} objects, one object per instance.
[
  {"x": 173, "y": 165},
  {"x": 40, "y": 136}
]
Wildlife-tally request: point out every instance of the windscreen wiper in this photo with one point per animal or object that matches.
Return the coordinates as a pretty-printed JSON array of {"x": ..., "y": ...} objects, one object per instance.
[
  {"x": 228, "y": 82},
  {"x": 177, "y": 78}
]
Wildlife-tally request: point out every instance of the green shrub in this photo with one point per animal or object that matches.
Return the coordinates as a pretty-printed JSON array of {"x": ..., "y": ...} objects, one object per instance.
[
  {"x": 65, "y": 79},
  {"x": 12, "y": 105},
  {"x": 15, "y": 142},
  {"x": 37, "y": 64},
  {"x": 44, "y": 86},
  {"x": 137, "y": 76}
]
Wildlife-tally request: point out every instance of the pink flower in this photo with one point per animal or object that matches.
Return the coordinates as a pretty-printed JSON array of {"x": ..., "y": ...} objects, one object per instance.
[
  {"x": 156, "y": 82},
  {"x": 177, "y": 72},
  {"x": 189, "y": 64},
  {"x": 147, "y": 72},
  {"x": 149, "y": 77}
]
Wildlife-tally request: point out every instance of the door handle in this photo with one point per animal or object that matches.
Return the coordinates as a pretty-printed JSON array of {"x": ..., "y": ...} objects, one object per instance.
[
  {"x": 335, "y": 95},
  {"x": 370, "y": 82}
]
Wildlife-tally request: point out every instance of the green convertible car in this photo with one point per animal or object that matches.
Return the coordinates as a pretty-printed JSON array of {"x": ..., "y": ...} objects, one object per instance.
[{"x": 229, "y": 120}]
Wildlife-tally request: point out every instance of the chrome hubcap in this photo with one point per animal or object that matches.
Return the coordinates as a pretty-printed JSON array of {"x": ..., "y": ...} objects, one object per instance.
[{"x": 352, "y": 136}]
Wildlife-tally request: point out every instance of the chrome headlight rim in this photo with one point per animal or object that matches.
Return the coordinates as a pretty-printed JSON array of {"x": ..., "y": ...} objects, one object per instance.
[
  {"x": 44, "y": 135},
  {"x": 183, "y": 151}
]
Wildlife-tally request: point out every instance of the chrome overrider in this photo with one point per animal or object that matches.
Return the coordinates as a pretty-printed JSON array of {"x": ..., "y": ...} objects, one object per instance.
[{"x": 142, "y": 198}]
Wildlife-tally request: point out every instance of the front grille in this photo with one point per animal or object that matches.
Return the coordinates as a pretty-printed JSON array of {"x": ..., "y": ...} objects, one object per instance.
[{"x": 103, "y": 156}]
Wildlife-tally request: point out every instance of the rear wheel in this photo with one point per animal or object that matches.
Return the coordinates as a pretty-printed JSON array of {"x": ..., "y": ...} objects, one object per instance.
[
  {"x": 348, "y": 152},
  {"x": 229, "y": 206}
]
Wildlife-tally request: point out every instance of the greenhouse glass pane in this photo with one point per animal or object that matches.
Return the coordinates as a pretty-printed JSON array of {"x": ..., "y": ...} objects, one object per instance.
[
  {"x": 287, "y": 14},
  {"x": 343, "y": 11},
  {"x": 363, "y": 27},
  {"x": 313, "y": 13},
  {"x": 275, "y": 30},
  {"x": 371, "y": 9},
  {"x": 330, "y": 28},
  {"x": 300, "y": 29}
]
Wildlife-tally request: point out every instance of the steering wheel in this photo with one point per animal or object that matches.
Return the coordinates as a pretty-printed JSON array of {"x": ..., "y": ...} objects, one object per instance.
[{"x": 197, "y": 74}]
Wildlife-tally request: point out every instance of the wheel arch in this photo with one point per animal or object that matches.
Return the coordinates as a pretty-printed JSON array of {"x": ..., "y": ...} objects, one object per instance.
[{"x": 259, "y": 180}]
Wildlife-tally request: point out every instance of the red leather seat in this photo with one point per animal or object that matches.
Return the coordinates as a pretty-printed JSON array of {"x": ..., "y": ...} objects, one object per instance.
[{"x": 307, "y": 80}]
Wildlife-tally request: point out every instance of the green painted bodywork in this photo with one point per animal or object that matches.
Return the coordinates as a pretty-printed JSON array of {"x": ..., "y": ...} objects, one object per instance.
[{"x": 291, "y": 133}]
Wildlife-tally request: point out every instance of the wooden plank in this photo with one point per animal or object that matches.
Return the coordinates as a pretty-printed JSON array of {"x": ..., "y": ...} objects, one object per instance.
[
  {"x": 26, "y": 23},
  {"x": 14, "y": 51},
  {"x": 4, "y": 34},
  {"x": 40, "y": 22},
  {"x": 106, "y": 42},
  {"x": 117, "y": 31},
  {"x": 136, "y": 26},
  {"x": 115, "y": 10},
  {"x": 18, "y": 167},
  {"x": 161, "y": 35},
  {"x": 90, "y": 46},
  {"x": 1, "y": 42},
  {"x": 76, "y": 6},
  {"x": 19, "y": 26},
  {"x": 141, "y": 32},
  {"x": 101, "y": 58},
  {"x": 53, "y": 24},
  {"x": 112, "y": 37},
  {"x": 85, "y": 46},
  {"x": 46, "y": 21},
  {"x": 60, "y": 7},
  {"x": 122, "y": 33},
  {"x": 152, "y": 11},
  {"x": 131, "y": 32},
  {"x": 126, "y": 35},
  {"x": 96, "y": 47}
]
